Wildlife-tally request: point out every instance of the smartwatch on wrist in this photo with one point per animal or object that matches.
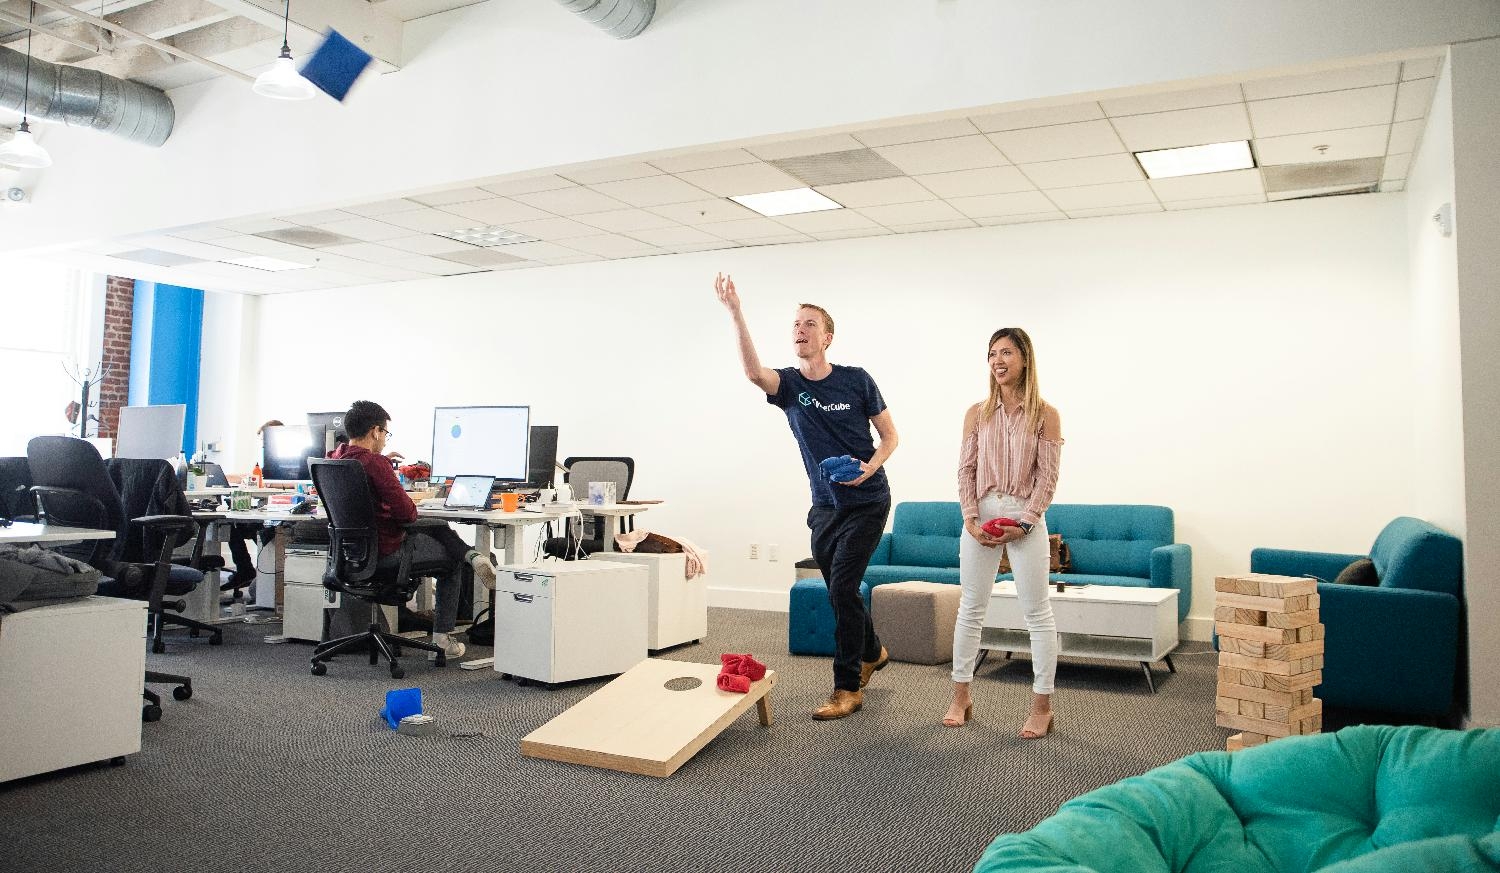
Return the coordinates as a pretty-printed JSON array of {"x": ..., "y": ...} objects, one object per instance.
[{"x": 1025, "y": 526}]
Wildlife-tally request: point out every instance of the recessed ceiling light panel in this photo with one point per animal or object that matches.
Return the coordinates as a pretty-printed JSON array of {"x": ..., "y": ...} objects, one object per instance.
[
  {"x": 1196, "y": 160},
  {"x": 488, "y": 236},
  {"x": 793, "y": 201}
]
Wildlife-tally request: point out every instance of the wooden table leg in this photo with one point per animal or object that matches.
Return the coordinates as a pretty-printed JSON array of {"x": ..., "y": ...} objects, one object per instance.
[{"x": 763, "y": 707}]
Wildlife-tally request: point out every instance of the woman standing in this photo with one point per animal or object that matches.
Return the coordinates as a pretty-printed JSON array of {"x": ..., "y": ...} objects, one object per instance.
[{"x": 1007, "y": 469}]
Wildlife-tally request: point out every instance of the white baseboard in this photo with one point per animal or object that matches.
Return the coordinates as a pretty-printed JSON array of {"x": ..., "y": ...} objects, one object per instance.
[{"x": 748, "y": 598}]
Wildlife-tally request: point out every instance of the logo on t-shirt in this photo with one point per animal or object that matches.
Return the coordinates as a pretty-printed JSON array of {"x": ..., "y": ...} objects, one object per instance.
[{"x": 808, "y": 400}]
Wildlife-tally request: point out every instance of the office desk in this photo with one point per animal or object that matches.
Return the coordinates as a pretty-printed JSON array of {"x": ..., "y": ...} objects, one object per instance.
[
  {"x": 203, "y": 604},
  {"x": 30, "y": 532},
  {"x": 221, "y": 491},
  {"x": 620, "y": 512}
]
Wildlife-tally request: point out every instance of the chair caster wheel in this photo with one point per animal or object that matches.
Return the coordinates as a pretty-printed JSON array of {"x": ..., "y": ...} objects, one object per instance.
[
  {"x": 182, "y": 692},
  {"x": 158, "y": 647},
  {"x": 216, "y": 640},
  {"x": 505, "y": 676},
  {"x": 319, "y": 668},
  {"x": 150, "y": 712},
  {"x": 523, "y": 682},
  {"x": 397, "y": 672},
  {"x": 441, "y": 660},
  {"x": 117, "y": 761}
]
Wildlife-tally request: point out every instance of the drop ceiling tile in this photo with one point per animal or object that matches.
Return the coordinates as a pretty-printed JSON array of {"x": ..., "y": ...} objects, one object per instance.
[
  {"x": 916, "y": 213},
  {"x": 1101, "y": 211},
  {"x": 1211, "y": 202},
  {"x": 201, "y": 232},
  {"x": 698, "y": 212},
  {"x": 255, "y": 245},
  {"x": 191, "y": 248},
  {"x": 425, "y": 245},
  {"x": 427, "y": 220},
  {"x": 797, "y": 148},
  {"x": 327, "y": 216},
  {"x": 156, "y": 257},
  {"x": 381, "y": 207},
  {"x": 454, "y": 195},
  {"x": 944, "y": 155},
  {"x": 689, "y": 248},
  {"x": 1084, "y": 171},
  {"x": 1029, "y": 218},
  {"x": 625, "y": 220},
  {"x": 570, "y": 201},
  {"x": 482, "y": 257},
  {"x": 1413, "y": 98},
  {"x": 1404, "y": 137},
  {"x": 972, "y": 183},
  {"x": 927, "y": 226},
  {"x": 651, "y": 191},
  {"x": 1096, "y": 196},
  {"x": 553, "y": 228},
  {"x": 838, "y": 168},
  {"x": 988, "y": 205},
  {"x": 778, "y": 240},
  {"x": 1353, "y": 173},
  {"x": 382, "y": 272},
  {"x": 1315, "y": 83},
  {"x": 612, "y": 245},
  {"x": 611, "y": 173},
  {"x": 363, "y": 251},
  {"x": 880, "y": 192},
  {"x": 1301, "y": 148},
  {"x": 1233, "y": 183},
  {"x": 828, "y": 219},
  {"x": 367, "y": 229},
  {"x": 256, "y": 225},
  {"x": 1169, "y": 101},
  {"x": 1023, "y": 118},
  {"x": 703, "y": 161},
  {"x": 1184, "y": 127},
  {"x": 756, "y": 178},
  {"x": 671, "y": 237},
  {"x": 1421, "y": 69},
  {"x": 852, "y": 233},
  {"x": 746, "y": 229},
  {"x": 434, "y": 266},
  {"x": 538, "y": 251},
  {"x": 1396, "y": 167},
  {"x": 904, "y": 133},
  {"x": 1307, "y": 193},
  {"x": 1331, "y": 111},
  {"x": 499, "y": 211},
  {"x": 529, "y": 185},
  {"x": 577, "y": 258},
  {"x": 1058, "y": 142}
]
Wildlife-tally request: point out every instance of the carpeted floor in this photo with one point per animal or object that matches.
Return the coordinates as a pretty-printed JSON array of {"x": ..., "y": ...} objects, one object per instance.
[{"x": 270, "y": 768}]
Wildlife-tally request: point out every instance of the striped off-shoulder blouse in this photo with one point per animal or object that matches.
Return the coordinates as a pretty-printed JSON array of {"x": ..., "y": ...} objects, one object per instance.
[{"x": 1004, "y": 456}]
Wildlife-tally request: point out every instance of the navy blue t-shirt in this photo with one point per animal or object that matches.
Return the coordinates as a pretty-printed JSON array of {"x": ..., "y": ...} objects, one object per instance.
[{"x": 831, "y": 417}]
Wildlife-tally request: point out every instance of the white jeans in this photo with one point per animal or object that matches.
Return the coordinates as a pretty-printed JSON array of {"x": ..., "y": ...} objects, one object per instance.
[{"x": 1030, "y": 561}]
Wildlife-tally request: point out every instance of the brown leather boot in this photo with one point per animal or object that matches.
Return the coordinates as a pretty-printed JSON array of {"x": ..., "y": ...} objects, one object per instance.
[
  {"x": 840, "y": 704},
  {"x": 868, "y": 668}
]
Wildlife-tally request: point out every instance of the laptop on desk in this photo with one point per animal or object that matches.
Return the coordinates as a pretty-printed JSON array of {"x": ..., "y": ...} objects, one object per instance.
[{"x": 470, "y": 492}]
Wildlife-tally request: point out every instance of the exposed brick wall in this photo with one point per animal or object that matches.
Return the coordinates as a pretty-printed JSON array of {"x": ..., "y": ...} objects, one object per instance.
[{"x": 114, "y": 392}]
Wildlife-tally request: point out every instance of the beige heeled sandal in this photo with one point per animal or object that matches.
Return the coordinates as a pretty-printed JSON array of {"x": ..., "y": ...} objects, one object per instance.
[{"x": 968, "y": 714}]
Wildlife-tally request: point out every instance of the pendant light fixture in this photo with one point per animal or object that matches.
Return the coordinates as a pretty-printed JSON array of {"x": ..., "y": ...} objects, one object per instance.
[
  {"x": 282, "y": 81},
  {"x": 23, "y": 151}
]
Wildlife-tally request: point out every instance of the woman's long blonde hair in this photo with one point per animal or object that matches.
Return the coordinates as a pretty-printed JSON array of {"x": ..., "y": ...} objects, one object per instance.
[{"x": 1031, "y": 395}]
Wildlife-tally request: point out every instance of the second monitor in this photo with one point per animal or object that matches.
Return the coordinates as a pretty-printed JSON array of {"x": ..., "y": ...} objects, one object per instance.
[{"x": 481, "y": 440}]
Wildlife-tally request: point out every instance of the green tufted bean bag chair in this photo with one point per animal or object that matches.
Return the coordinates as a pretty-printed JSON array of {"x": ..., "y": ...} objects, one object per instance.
[{"x": 1362, "y": 800}]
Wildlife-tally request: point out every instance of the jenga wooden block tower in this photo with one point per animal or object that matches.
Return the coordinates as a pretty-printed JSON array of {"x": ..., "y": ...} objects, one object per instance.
[{"x": 1270, "y": 657}]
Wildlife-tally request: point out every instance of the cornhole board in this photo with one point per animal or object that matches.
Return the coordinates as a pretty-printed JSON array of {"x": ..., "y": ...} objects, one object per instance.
[{"x": 638, "y": 724}]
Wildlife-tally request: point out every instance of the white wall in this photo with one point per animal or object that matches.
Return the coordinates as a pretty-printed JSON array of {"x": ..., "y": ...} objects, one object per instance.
[
  {"x": 48, "y": 310},
  {"x": 1232, "y": 364},
  {"x": 515, "y": 85},
  {"x": 1476, "y": 142}
]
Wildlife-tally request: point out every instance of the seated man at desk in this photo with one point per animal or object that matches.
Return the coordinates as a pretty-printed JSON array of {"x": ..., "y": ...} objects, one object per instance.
[{"x": 366, "y": 424}]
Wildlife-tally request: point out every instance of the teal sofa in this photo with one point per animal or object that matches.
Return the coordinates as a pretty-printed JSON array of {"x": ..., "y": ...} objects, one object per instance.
[
  {"x": 1112, "y": 544},
  {"x": 1393, "y": 647},
  {"x": 1366, "y": 799}
]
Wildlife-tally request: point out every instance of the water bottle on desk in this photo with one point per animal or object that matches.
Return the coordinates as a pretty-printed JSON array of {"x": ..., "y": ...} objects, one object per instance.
[{"x": 254, "y": 479}]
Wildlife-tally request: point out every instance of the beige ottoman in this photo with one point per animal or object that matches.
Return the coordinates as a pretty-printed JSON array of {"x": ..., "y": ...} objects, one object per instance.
[{"x": 915, "y": 620}]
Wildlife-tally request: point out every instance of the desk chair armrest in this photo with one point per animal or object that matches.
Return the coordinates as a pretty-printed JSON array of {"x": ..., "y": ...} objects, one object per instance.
[{"x": 40, "y": 493}]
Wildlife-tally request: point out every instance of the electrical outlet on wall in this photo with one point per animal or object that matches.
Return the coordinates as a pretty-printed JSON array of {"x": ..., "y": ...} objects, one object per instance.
[{"x": 755, "y": 551}]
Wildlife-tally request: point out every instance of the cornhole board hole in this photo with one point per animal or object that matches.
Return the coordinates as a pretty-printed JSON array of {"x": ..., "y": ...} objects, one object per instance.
[{"x": 638, "y": 723}]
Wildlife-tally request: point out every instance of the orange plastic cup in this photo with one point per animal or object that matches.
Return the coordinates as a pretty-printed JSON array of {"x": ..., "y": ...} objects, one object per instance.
[{"x": 510, "y": 501}]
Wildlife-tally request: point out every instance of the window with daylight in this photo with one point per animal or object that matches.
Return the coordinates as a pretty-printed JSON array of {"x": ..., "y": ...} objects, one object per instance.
[{"x": 46, "y": 321}]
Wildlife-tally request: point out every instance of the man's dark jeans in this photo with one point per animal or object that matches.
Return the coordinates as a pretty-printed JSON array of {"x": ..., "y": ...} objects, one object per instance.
[{"x": 842, "y": 542}]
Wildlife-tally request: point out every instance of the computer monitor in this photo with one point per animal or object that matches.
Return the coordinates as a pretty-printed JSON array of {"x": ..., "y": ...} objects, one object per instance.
[
  {"x": 285, "y": 450},
  {"x": 151, "y": 431},
  {"x": 481, "y": 440},
  {"x": 543, "y": 456},
  {"x": 327, "y": 430}
]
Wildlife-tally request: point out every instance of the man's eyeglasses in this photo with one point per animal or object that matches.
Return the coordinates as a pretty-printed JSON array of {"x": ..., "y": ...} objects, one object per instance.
[{"x": 385, "y": 430}]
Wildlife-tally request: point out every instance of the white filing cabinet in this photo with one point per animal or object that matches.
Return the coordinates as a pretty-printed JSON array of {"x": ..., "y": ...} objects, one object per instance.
[
  {"x": 303, "y": 597},
  {"x": 563, "y": 620},
  {"x": 676, "y": 607},
  {"x": 71, "y": 676}
]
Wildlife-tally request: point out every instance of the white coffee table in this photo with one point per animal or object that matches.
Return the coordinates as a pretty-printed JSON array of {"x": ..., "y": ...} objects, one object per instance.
[{"x": 1111, "y": 622}]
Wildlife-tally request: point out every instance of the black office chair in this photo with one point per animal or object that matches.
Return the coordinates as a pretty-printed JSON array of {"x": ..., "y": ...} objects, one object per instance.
[
  {"x": 15, "y": 488},
  {"x": 355, "y": 567},
  {"x": 580, "y": 472},
  {"x": 72, "y": 487}
]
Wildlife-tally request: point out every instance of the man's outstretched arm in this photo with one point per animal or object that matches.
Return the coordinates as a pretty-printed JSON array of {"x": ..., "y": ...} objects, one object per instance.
[{"x": 765, "y": 378}]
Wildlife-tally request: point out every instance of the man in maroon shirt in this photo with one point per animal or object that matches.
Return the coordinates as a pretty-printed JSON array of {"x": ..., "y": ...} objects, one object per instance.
[{"x": 366, "y": 423}]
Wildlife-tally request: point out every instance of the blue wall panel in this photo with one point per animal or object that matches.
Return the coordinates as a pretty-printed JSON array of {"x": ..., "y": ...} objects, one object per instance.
[{"x": 166, "y": 351}]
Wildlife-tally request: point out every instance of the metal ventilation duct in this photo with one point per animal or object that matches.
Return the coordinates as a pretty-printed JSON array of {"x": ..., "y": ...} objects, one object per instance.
[
  {"x": 86, "y": 98},
  {"x": 621, "y": 19}
]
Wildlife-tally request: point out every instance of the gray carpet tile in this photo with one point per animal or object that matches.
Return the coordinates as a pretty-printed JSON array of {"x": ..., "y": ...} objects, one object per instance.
[{"x": 270, "y": 768}]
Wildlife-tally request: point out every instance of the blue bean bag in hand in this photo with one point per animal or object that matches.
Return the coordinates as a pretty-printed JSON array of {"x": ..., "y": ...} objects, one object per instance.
[{"x": 840, "y": 469}]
